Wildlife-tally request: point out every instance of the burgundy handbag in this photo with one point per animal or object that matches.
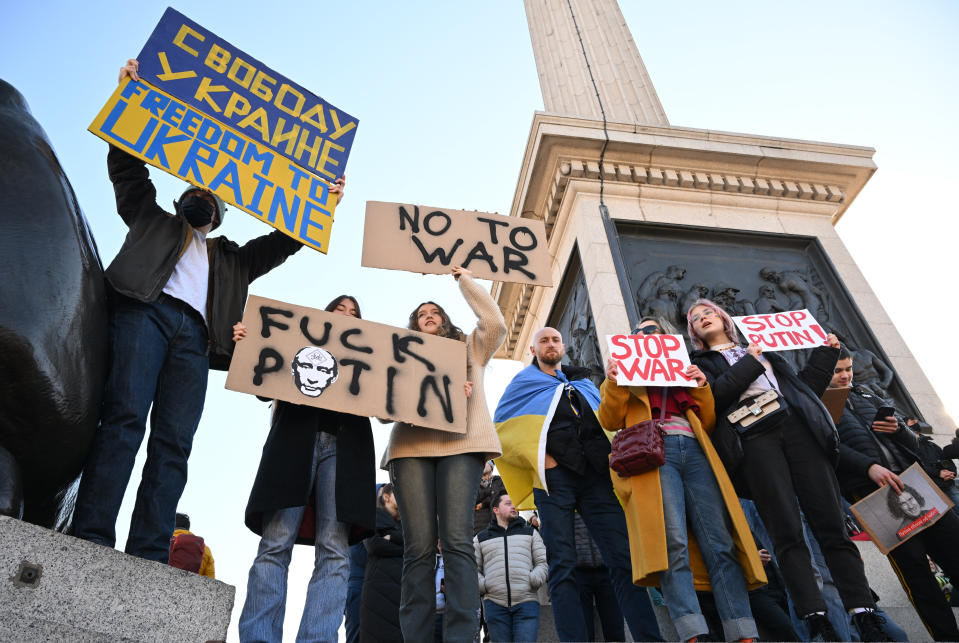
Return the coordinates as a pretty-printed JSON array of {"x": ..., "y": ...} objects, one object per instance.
[{"x": 639, "y": 448}]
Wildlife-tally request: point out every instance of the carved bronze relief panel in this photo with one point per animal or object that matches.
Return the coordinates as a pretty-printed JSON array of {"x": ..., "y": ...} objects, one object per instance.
[
  {"x": 669, "y": 267},
  {"x": 572, "y": 316}
]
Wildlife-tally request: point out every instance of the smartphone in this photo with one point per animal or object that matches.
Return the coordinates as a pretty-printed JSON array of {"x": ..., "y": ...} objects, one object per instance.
[{"x": 884, "y": 412}]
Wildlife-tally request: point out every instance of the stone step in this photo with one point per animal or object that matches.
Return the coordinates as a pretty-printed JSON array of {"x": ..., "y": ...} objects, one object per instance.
[{"x": 56, "y": 587}]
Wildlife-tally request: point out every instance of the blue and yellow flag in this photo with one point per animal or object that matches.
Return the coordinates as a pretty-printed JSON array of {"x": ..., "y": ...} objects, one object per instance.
[{"x": 522, "y": 420}]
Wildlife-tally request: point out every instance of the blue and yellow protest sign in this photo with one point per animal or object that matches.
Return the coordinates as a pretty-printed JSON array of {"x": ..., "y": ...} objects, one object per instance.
[
  {"x": 170, "y": 135},
  {"x": 213, "y": 77}
]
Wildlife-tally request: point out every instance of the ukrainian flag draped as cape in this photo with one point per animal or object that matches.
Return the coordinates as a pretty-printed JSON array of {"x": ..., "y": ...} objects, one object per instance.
[{"x": 522, "y": 420}]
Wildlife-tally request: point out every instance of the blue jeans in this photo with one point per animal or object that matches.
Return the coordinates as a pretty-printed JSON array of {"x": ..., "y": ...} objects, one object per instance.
[
  {"x": 262, "y": 615},
  {"x": 517, "y": 623},
  {"x": 592, "y": 495},
  {"x": 690, "y": 493},
  {"x": 437, "y": 496},
  {"x": 158, "y": 358}
]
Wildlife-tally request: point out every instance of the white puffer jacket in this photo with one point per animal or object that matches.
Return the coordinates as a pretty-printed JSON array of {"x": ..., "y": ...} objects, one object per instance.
[{"x": 511, "y": 562}]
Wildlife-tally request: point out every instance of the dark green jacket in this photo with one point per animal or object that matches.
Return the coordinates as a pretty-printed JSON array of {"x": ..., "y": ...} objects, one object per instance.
[{"x": 156, "y": 241}]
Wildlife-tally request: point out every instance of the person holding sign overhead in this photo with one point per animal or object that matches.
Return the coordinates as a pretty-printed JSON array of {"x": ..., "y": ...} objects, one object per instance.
[
  {"x": 176, "y": 294},
  {"x": 436, "y": 475},
  {"x": 315, "y": 486},
  {"x": 692, "y": 488},
  {"x": 779, "y": 445}
]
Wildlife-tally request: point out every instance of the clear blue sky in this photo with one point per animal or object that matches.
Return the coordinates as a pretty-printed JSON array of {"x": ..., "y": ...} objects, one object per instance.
[{"x": 445, "y": 94}]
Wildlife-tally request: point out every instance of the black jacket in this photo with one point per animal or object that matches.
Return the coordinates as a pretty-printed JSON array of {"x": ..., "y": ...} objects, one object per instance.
[
  {"x": 802, "y": 392},
  {"x": 575, "y": 439},
  {"x": 859, "y": 446},
  {"x": 156, "y": 240},
  {"x": 286, "y": 468},
  {"x": 380, "y": 605}
]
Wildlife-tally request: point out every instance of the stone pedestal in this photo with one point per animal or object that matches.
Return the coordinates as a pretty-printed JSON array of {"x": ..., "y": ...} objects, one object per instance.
[
  {"x": 704, "y": 189},
  {"x": 59, "y": 588}
]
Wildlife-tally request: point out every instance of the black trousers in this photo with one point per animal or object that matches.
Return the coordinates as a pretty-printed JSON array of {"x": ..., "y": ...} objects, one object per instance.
[
  {"x": 908, "y": 560},
  {"x": 785, "y": 465}
]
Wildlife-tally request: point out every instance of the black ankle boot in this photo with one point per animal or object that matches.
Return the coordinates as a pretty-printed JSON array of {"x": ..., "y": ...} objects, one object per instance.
[
  {"x": 869, "y": 625},
  {"x": 820, "y": 628}
]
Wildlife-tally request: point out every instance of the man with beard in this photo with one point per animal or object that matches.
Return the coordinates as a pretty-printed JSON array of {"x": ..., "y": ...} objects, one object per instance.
[
  {"x": 511, "y": 561},
  {"x": 556, "y": 459}
]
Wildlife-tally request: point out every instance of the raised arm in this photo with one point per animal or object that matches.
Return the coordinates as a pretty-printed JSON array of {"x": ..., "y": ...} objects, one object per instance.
[
  {"x": 266, "y": 252},
  {"x": 818, "y": 371},
  {"x": 490, "y": 329},
  {"x": 136, "y": 197}
]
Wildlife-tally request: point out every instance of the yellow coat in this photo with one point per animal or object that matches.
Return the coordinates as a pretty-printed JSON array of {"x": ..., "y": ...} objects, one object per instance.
[{"x": 642, "y": 495}]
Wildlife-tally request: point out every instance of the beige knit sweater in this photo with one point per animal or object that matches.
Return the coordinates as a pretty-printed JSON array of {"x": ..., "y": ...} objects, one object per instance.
[{"x": 408, "y": 441}]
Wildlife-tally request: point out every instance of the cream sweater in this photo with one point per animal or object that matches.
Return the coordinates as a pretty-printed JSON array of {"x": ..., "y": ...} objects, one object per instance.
[{"x": 408, "y": 441}]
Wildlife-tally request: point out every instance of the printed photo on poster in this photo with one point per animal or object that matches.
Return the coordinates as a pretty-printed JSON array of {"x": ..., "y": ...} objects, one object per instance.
[{"x": 891, "y": 518}]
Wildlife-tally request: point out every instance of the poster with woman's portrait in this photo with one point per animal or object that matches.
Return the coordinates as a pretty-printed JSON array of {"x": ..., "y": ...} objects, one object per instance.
[{"x": 893, "y": 518}]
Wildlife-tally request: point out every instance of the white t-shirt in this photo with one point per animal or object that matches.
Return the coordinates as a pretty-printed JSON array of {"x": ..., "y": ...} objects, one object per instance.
[
  {"x": 190, "y": 280},
  {"x": 759, "y": 385}
]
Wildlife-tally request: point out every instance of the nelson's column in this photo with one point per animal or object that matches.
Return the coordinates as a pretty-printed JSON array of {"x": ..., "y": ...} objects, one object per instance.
[{"x": 643, "y": 217}]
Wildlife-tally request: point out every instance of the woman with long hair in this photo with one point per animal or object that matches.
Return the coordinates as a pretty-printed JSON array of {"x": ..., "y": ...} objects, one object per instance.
[
  {"x": 690, "y": 488},
  {"x": 315, "y": 486},
  {"x": 436, "y": 474},
  {"x": 780, "y": 446}
]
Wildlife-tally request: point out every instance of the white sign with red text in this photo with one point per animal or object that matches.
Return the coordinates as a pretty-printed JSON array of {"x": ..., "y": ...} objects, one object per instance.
[
  {"x": 650, "y": 360},
  {"x": 785, "y": 331}
]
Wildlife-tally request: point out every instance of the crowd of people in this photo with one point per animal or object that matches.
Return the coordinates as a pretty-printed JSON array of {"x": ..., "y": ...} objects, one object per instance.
[{"x": 740, "y": 533}]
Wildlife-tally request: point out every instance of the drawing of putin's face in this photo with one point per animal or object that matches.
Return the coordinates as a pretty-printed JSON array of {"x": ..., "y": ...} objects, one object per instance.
[{"x": 314, "y": 369}]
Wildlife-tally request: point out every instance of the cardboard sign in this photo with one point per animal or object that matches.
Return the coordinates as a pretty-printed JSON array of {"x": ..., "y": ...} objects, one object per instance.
[
  {"x": 650, "y": 360},
  {"x": 834, "y": 399},
  {"x": 782, "y": 331},
  {"x": 891, "y": 519},
  {"x": 159, "y": 129},
  {"x": 337, "y": 362},
  {"x": 432, "y": 240},
  {"x": 215, "y": 78}
]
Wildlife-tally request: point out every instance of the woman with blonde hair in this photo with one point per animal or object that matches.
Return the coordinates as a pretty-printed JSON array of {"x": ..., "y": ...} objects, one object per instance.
[{"x": 690, "y": 488}]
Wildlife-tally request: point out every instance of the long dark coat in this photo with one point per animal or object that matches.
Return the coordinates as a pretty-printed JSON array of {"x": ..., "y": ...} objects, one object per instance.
[
  {"x": 802, "y": 392},
  {"x": 283, "y": 479},
  {"x": 380, "y": 608}
]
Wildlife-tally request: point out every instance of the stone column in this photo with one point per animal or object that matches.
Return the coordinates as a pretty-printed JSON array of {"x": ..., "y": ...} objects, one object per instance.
[{"x": 628, "y": 95}]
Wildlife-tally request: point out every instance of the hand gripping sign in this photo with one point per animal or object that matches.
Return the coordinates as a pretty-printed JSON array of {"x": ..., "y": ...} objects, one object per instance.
[
  {"x": 312, "y": 357},
  {"x": 786, "y": 331},
  {"x": 650, "y": 360}
]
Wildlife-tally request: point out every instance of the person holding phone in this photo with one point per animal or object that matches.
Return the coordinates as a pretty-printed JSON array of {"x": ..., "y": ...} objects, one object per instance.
[{"x": 875, "y": 447}]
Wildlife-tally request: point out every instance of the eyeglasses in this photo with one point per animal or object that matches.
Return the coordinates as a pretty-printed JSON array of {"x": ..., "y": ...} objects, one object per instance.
[
  {"x": 648, "y": 330},
  {"x": 709, "y": 312}
]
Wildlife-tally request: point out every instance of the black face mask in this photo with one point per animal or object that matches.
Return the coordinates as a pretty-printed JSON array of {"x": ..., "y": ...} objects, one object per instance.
[{"x": 196, "y": 210}]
